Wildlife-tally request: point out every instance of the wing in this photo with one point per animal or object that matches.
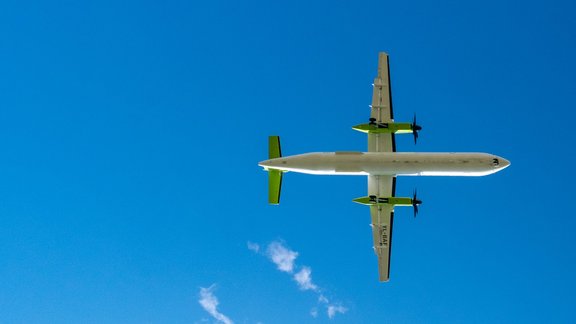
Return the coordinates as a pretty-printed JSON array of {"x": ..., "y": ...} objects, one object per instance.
[
  {"x": 382, "y": 220},
  {"x": 381, "y": 110}
]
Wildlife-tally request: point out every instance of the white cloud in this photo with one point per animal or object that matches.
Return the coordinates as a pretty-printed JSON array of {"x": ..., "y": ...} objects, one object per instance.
[
  {"x": 314, "y": 312},
  {"x": 253, "y": 247},
  {"x": 304, "y": 279},
  {"x": 210, "y": 304},
  {"x": 281, "y": 256},
  {"x": 333, "y": 309},
  {"x": 322, "y": 299},
  {"x": 285, "y": 260}
]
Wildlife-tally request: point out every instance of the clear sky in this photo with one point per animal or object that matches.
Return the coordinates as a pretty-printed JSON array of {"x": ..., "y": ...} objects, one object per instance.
[{"x": 130, "y": 133}]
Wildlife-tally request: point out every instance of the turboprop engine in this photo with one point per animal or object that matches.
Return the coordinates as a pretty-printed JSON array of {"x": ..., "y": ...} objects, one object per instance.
[
  {"x": 394, "y": 201},
  {"x": 397, "y": 128}
]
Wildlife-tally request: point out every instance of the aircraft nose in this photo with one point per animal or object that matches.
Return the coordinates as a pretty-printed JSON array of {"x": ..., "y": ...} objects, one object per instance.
[{"x": 504, "y": 163}]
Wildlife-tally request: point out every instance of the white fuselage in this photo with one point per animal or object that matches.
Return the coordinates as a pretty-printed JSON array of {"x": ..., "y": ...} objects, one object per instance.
[{"x": 373, "y": 163}]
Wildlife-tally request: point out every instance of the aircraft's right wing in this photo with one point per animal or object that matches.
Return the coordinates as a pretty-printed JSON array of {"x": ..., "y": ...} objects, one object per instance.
[
  {"x": 381, "y": 110},
  {"x": 382, "y": 220}
]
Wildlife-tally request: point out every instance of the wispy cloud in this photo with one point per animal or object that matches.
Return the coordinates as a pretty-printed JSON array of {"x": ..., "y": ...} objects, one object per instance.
[
  {"x": 323, "y": 299},
  {"x": 253, "y": 247},
  {"x": 210, "y": 304},
  {"x": 333, "y": 309},
  {"x": 281, "y": 256},
  {"x": 314, "y": 312},
  {"x": 285, "y": 260},
  {"x": 304, "y": 279}
]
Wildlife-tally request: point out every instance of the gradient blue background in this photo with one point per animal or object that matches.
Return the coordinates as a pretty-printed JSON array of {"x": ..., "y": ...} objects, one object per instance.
[{"x": 130, "y": 134}]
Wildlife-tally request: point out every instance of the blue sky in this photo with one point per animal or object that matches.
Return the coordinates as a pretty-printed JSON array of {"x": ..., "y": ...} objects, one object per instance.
[{"x": 130, "y": 133}]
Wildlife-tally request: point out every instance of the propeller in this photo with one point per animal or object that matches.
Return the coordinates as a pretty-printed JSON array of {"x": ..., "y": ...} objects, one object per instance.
[
  {"x": 415, "y": 203},
  {"x": 415, "y": 129}
]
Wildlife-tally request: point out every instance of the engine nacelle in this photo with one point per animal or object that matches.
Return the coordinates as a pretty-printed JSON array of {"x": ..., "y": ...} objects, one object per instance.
[
  {"x": 396, "y": 201},
  {"x": 377, "y": 128}
]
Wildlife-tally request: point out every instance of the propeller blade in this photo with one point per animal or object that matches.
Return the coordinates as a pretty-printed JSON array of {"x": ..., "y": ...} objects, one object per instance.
[
  {"x": 415, "y": 129},
  {"x": 415, "y": 203}
]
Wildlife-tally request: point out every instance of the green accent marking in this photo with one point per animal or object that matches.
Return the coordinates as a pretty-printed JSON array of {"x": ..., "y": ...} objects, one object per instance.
[
  {"x": 274, "y": 186},
  {"x": 274, "y": 147},
  {"x": 400, "y": 201},
  {"x": 363, "y": 201},
  {"x": 396, "y": 201},
  {"x": 396, "y": 128}
]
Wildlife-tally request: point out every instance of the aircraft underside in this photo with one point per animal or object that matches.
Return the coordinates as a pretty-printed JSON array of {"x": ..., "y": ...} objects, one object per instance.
[{"x": 381, "y": 164}]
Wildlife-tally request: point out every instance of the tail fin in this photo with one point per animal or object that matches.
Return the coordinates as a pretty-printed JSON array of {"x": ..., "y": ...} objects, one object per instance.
[
  {"x": 274, "y": 176},
  {"x": 274, "y": 147}
]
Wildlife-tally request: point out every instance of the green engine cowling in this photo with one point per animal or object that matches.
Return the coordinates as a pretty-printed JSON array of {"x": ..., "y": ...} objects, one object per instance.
[
  {"x": 396, "y": 201},
  {"x": 379, "y": 128}
]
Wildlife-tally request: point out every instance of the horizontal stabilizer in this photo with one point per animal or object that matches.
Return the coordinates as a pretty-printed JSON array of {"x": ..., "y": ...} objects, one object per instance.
[
  {"x": 274, "y": 151},
  {"x": 274, "y": 186}
]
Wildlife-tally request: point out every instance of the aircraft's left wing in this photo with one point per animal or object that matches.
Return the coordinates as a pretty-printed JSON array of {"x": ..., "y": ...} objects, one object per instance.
[{"x": 382, "y": 220}]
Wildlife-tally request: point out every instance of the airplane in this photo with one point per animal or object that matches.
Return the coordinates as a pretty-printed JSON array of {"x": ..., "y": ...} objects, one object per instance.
[{"x": 382, "y": 164}]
